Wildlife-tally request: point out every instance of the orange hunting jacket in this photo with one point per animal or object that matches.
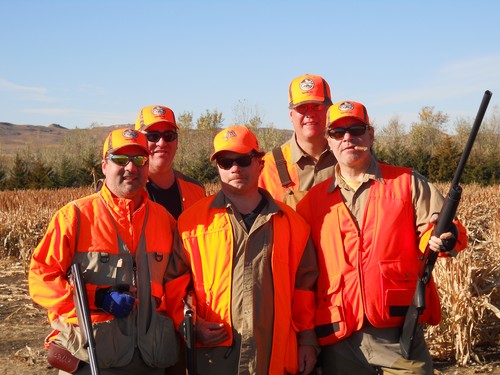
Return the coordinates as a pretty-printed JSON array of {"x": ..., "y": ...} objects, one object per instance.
[
  {"x": 96, "y": 234},
  {"x": 190, "y": 189},
  {"x": 206, "y": 235},
  {"x": 371, "y": 271}
]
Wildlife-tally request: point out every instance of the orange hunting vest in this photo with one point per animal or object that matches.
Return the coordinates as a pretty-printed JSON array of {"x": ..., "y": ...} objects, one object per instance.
[
  {"x": 269, "y": 178},
  {"x": 190, "y": 190},
  {"x": 368, "y": 272},
  {"x": 207, "y": 236},
  {"x": 87, "y": 224}
]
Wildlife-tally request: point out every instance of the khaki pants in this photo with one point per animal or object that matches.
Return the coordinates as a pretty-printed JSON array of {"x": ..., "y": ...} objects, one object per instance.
[{"x": 376, "y": 351}]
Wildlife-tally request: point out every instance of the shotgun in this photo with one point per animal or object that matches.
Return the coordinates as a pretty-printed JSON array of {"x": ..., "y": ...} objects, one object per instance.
[
  {"x": 189, "y": 334},
  {"x": 83, "y": 314},
  {"x": 444, "y": 224}
]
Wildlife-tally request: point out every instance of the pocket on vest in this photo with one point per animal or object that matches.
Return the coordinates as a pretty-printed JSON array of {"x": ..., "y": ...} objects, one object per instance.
[
  {"x": 159, "y": 346},
  {"x": 398, "y": 281},
  {"x": 114, "y": 349}
]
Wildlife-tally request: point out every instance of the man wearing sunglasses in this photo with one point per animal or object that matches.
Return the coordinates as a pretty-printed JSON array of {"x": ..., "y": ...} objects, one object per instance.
[
  {"x": 305, "y": 160},
  {"x": 167, "y": 186},
  {"x": 370, "y": 223},
  {"x": 253, "y": 270},
  {"x": 122, "y": 241}
]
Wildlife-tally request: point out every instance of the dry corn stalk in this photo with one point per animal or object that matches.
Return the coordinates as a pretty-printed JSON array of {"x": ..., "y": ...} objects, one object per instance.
[{"x": 468, "y": 285}]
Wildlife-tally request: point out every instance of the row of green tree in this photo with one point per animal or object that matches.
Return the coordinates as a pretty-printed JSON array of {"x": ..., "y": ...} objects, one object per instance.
[{"x": 429, "y": 146}]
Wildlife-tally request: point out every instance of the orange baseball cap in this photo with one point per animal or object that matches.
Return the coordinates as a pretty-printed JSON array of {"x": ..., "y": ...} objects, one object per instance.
[
  {"x": 124, "y": 137},
  {"x": 153, "y": 114},
  {"x": 347, "y": 108},
  {"x": 238, "y": 139},
  {"x": 308, "y": 88}
]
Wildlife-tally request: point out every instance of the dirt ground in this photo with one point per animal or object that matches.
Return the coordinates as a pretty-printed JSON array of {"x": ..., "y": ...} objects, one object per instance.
[{"x": 23, "y": 327}]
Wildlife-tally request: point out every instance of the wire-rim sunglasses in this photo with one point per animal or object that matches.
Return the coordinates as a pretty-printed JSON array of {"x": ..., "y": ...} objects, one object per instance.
[
  {"x": 123, "y": 160},
  {"x": 302, "y": 109},
  {"x": 168, "y": 136},
  {"x": 355, "y": 130}
]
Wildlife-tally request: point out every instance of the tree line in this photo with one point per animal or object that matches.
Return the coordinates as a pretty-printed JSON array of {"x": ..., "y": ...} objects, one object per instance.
[{"x": 428, "y": 146}]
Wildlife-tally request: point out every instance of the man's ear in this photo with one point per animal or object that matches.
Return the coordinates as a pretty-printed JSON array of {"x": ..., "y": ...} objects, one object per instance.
[{"x": 103, "y": 166}]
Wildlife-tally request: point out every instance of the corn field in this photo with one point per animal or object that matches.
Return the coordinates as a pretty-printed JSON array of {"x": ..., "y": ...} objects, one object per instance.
[{"x": 468, "y": 284}]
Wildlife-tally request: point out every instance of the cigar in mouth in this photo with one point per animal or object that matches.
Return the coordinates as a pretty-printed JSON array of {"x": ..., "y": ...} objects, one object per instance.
[{"x": 361, "y": 148}]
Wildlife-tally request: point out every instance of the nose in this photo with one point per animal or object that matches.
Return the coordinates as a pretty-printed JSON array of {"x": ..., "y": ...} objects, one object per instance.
[
  {"x": 131, "y": 166},
  {"x": 347, "y": 136},
  {"x": 161, "y": 141},
  {"x": 310, "y": 111}
]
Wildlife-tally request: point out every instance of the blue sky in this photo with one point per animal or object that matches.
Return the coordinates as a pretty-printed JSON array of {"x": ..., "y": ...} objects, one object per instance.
[{"x": 76, "y": 63}]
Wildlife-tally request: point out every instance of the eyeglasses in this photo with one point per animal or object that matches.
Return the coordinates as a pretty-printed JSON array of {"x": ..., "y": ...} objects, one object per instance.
[
  {"x": 168, "y": 136},
  {"x": 241, "y": 161},
  {"x": 302, "y": 109},
  {"x": 355, "y": 130},
  {"x": 123, "y": 160}
]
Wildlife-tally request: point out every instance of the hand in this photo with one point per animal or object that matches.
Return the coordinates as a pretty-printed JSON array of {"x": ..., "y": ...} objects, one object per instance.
[
  {"x": 208, "y": 333},
  {"x": 307, "y": 358},
  {"x": 115, "y": 300},
  {"x": 446, "y": 242}
]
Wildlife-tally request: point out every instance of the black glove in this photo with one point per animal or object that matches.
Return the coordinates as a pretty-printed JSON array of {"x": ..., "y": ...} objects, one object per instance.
[
  {"x": 449, "y": 244},
  {"x": 115, "y": 301}
]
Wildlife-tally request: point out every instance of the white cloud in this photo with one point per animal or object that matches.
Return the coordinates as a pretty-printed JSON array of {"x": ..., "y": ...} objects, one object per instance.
[
  {"x": 38, "y": 94},
  {"x": 52, "y": 111}
]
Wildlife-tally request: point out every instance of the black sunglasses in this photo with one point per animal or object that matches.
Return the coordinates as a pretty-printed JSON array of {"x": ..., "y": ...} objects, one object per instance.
[
  {"x": 355, "y": 130},
  {"x": 123, "y": 160},
  {"x": 168, "y": 136},
  {"x": 241, "y": 161}
]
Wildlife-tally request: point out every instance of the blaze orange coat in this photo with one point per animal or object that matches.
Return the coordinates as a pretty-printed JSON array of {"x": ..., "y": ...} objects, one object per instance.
[
  {"x": 207, "y": 237},
  {"x": 368, "y": 271}
]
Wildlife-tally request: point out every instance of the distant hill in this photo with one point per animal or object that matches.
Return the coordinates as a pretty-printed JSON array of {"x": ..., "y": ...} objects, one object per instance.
[{"x": 15, "y": 138}]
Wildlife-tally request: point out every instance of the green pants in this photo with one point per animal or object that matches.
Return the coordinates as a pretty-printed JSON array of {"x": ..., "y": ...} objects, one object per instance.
[{"x": 376, "y": 351}]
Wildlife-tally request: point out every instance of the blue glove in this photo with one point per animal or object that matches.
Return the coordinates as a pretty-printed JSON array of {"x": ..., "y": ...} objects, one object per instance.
[{"x": 115, "y": 301}]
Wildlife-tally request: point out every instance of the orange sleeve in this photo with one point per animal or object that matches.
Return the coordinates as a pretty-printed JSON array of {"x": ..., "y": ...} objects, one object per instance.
[
  {"x": 48, "y": 283},
  {"x": 462, "y": 240},
  {"x": 303, "y": 309},
  {"x": 177, "y": 281}
]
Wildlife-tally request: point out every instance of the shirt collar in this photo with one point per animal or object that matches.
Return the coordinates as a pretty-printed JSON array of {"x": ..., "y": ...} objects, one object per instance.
[
  {"x": 221, "y": 201},
  {"x": 297, "y": 153},
  {"x": 117, "y": 204},
  {"x": 372, "y": 173}
]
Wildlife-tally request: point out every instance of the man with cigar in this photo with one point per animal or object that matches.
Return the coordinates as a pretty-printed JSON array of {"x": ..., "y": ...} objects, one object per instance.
[{"x": 370, "y": 223}]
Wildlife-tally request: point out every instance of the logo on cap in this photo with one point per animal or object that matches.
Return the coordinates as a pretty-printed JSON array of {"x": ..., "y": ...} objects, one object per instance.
[
  {"x": 306, "y": 84},
  {"x": 158, "y": 111},
  {"x": 346, "y": 106},
  {"x": 130, "y": 134},
  {"x": 230, "y": 134}
]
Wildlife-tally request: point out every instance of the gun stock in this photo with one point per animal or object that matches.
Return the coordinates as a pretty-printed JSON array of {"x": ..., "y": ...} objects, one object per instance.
[
  {"x": 83, "y": 314},
  {"x": 443, "y": 225}
]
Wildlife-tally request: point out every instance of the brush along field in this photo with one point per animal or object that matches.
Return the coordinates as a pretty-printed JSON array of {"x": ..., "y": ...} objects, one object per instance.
[{"x": 466, "y": 342}]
